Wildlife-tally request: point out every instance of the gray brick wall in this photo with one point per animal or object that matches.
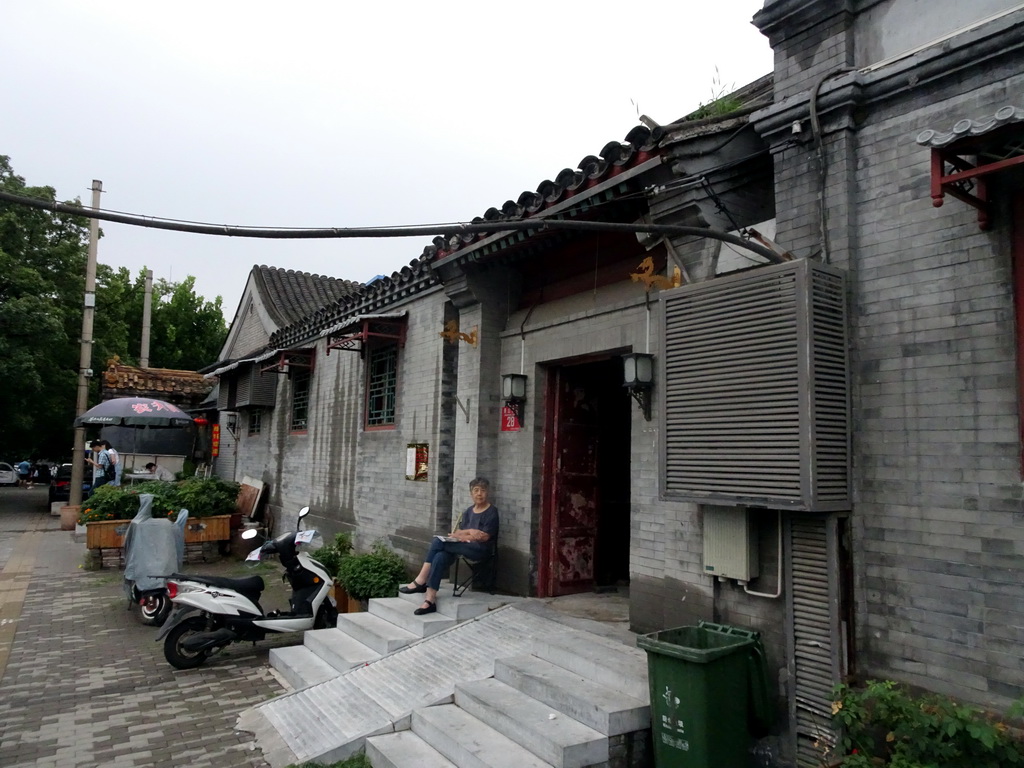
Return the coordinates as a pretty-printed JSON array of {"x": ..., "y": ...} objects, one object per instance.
[
  {"x": 939, "y": 535},
  {"x": 354, "y": 479}
]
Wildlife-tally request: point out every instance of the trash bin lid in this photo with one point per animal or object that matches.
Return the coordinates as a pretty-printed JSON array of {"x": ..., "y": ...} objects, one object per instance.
[{"x": 700, "y": 644}]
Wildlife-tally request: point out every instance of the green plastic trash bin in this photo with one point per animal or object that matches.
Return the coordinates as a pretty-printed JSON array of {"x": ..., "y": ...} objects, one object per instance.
[{"x": 709, "y": 695}]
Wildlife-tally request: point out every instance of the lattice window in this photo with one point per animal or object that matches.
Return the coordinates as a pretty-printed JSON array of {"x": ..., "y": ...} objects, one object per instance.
[
  {"x": 300, "y": 400},
  {"x": 255, "y": 421},
  {"x": 381, "y": 385}
]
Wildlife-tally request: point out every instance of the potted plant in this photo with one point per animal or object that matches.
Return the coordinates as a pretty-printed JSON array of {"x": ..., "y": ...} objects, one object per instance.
[
  {"x": 330, "y": 556},
  {"x": 376, "y": 573}
]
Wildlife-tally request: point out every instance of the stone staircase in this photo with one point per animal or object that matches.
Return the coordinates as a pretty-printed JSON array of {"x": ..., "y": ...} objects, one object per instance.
[
  {"x": 360, "y": 638},
  {"x": 476, "y": 684}
]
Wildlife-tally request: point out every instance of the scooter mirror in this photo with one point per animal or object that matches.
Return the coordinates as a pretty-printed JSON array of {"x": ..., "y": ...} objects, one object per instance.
[
  {"x": 303, "y": 512},
  {"x": 250, "y": 533}
]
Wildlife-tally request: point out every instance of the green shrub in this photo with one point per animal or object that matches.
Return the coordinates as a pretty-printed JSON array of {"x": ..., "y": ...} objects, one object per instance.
[
  {"x": 332, "y": 553},
  {"x": 376, "y": 573},
  {"x": 202, "y": 497},
  {"x": 206, "y": 496},
  {"x": 884, "y": 722}
]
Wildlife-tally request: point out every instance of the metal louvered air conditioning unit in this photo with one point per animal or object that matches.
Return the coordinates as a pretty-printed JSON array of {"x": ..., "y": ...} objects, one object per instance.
[{"x": 756, "y": 389}]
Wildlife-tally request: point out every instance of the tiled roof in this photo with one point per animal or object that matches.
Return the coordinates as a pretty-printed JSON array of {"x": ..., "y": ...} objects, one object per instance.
[
  {"x": 292, "y": 295},
  {"x": 640, "y": 145},
  {"x": 615, "y": 158},
  {"x": 368, "y": 298},
  {"x": 166, "y": 384},
  {"x": 967, "y": 127}
]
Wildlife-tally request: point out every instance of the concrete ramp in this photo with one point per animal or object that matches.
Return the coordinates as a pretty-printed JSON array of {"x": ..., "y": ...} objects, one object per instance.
[{"x": 329, "y": 721}]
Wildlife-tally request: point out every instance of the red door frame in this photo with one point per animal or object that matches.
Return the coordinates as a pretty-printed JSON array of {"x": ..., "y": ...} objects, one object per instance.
[
  {"x": 1017, "y": 252},
  {"x": 547, "y": 543},
  {"x": 544, "y": 571}
]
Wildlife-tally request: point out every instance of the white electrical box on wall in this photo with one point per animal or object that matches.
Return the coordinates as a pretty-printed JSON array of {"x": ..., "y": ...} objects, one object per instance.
[{"x": 730, "y": 543}]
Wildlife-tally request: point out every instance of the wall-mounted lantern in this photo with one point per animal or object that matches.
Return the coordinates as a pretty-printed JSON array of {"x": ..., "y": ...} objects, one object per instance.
[
  {"x": 513, "y": 392},
  {"x": 638, "y": 378}
]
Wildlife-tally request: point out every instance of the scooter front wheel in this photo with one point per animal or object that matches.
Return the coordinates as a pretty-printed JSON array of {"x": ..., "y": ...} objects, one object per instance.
[
  {"x": 174, "y": 651},
  {"x": 154, "y": 609}
]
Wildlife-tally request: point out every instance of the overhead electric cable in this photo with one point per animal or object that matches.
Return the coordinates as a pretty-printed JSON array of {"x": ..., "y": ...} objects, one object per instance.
[{"x": 446, "y": 230}]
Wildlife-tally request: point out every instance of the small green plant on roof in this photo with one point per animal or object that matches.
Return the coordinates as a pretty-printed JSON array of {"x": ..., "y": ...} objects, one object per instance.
[
  {"x": 722, "y": 101},
  {"x": 202, "y": 497},
  {"x": 376, "y": 573},
  {"x": 333, "y": 552},
  {"x": 883, "y": 724}
]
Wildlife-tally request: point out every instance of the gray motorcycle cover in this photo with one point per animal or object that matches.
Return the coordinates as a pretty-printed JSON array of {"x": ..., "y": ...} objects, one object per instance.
[{"x": 152, "y": 547}]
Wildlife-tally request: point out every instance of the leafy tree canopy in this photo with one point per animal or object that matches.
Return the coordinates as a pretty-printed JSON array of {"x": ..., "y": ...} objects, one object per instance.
[{"x": 42, "y": 282}]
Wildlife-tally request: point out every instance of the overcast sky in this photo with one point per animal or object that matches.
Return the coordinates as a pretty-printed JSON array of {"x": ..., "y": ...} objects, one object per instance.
[{"x": 322, "y": 114}]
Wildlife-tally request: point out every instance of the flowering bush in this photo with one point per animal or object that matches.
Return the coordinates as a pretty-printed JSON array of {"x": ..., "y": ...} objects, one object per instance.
[{"x": 202, "y": 497}]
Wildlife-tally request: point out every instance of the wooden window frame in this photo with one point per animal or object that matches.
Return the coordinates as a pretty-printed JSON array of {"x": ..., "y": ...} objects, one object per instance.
[
  {"x": 303, "y": 376},
  {"x": 390, "y": 388},
  {"x": 254, "y": 422}
]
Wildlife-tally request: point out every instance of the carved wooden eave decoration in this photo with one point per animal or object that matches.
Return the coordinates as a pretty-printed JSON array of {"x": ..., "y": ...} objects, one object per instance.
[
  {"x": 353, "y": 335},
  {"x": 964, "y": 158},
  {"x": 288, "y": 360}
]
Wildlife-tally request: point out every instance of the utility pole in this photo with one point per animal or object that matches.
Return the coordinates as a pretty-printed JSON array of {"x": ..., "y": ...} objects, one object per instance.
[
  {"x": 85, "y": 361},
  {"x": 147, "y": 310}
]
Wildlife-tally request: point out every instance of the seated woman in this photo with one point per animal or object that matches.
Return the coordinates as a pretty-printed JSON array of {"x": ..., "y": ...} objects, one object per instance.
[{"x": 477, "y": 526}]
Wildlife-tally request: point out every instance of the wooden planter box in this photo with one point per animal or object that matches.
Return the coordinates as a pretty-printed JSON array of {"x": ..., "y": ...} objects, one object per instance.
[
  {"x": 109, "y": 534},
  {"x": 208, "y": 529}
]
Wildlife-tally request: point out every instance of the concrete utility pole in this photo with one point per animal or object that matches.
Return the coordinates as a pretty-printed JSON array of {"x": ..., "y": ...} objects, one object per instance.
[
  {"x": 85, "y": 361},
  {"x": 147, "y": 311}
]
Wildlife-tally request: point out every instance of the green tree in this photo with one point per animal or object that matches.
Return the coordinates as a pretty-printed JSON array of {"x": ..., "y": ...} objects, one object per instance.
[
  {"x": 42, "y": 282},
  {"x": 186, "y": 330}
]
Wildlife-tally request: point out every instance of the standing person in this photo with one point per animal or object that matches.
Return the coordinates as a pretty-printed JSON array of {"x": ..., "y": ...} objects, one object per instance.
[
  {"x": 102, "y": 469},
  {"x": 24, "y": 467},
  {"x": 477, "y": 526},
  {"x": 160, "y": 473},
  {"x": 115, "y": 461}
]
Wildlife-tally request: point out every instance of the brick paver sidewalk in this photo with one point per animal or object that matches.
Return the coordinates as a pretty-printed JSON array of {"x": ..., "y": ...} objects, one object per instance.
[{"x": 84, "y": 682}]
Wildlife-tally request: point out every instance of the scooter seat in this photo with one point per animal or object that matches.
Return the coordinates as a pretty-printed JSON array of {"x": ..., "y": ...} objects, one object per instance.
[{"x": 250, "y": 586}]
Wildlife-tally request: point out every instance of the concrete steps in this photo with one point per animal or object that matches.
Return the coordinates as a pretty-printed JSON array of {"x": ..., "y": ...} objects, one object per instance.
[
  {"x": 609, "y": 711},
  {"x": 560, "y": 718},
  {"x": 555, "y": 738},
  {"x": 360, "y": 638},
  {"x": 300, "y": 666},
  {"x": 404, "y": 748},
  {"x": 507, "y": 687}
]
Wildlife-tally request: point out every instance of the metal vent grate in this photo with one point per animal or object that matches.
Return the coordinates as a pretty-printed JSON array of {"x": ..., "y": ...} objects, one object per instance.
[
  {"x": 755, "y": 384},
  {"x": 813, "y": 656},
  {"x": 254, "y": 388}
]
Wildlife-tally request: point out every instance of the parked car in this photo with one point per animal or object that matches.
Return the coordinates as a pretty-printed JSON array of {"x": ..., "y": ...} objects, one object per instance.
[
  {"x": 8, "y": 476},
  {"x": 60, "y": 484}
]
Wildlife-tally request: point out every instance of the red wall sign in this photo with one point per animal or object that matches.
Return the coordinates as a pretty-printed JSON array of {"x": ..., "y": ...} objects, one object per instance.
[
  {"x": 215, "y": 448},
  {"x": 509, "y": 422}
]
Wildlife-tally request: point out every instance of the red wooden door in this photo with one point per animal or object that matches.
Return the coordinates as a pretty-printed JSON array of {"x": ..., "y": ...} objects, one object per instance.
[{"x": 573, "y": 501}]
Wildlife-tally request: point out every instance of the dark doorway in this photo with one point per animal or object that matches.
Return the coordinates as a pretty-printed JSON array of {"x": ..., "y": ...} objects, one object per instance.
[{"x": 585, "y": 528}]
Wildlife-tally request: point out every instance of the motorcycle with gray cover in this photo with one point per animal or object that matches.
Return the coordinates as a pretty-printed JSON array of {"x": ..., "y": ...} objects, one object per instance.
[{"x": 210, "y": 612}]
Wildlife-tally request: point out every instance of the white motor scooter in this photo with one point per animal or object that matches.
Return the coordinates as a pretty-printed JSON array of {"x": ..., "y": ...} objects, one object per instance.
[{"x": 212, "y": 612}]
